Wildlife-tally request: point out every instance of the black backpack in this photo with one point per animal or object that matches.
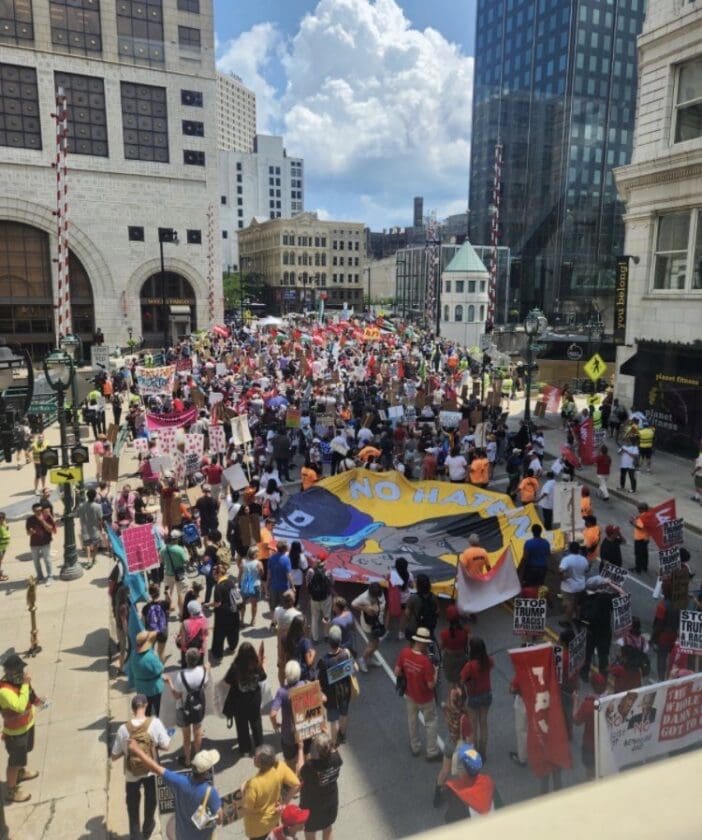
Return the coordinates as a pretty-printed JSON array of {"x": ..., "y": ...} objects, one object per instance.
[
  {"x": 428, "y": 613},
  {"x": 193, "y": 702},
  {"x": 319, "y": 587}
]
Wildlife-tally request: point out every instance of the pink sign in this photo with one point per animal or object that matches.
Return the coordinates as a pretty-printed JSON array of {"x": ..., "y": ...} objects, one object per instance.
[{"x": 140, "y": 548}]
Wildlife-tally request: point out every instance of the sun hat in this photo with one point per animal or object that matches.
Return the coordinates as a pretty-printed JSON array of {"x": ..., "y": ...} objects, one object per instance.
[
  {"x": 422, "y": 635},
  {"x": 204, "y": 760},
  {"x": 13, "y": 663},
  {"x": 145, "y": 640}
]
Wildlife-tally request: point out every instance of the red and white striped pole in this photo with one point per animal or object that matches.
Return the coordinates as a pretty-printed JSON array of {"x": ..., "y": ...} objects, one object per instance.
[
  {"x": 433, "y": 254},
  {"x": 495, "y": 236},
  {"x": 63, "y": 317},
  {"x": 210, "y": 264}
]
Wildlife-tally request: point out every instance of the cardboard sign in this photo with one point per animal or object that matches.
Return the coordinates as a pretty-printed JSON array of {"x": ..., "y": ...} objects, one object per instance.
[
  {"x": 292, "y": 418},
  {"x": 577, "y": 649},
  {"x": 690, "y": 632},
  {"x": 616, "y": 574},
  {"x": 621, "y": 614},
  {"x": 112, "y": 433},
  {"x": 529, "y": 616},
  {"x": 450, "y": 419},
  {"x": 165, "y": 795},
  {"x": 241, "y": 433},
  {"x": 235, "y": 477},
  {"x": 248, "y": 527},
  {"x": 192, "y": 463},
  {"x": 110, "y": 468},
  {"x": 193, "y": 494},
  {"x": 673, "y": 532},
  {"x": 668, "y": 561},
  {"x": 140, "y": 548},
  {"x": 679, "y": 588},
  {"x": 309, "y": 717},
  {"x": 396, "y": 412}
]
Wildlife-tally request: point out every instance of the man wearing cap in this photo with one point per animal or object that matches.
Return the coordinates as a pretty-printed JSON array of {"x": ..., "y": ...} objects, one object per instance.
[
  {"x": 17, "y": 701},
  {"x": 147, "y": 730},
  {"x": 420, "y": 675},
  {"x": 190, "y": 792},
  {"x": 293, "y": 819},
  {"x": 41, "y": 529},
  {"x": 263, "y": 792}
]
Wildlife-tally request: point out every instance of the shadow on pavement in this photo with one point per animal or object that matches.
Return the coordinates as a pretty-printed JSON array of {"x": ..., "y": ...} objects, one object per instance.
[{"x": 96, "y": 644}]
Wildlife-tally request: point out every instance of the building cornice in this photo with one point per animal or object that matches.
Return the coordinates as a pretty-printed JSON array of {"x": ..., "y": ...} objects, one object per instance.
[{"x": 666, "y": 169}]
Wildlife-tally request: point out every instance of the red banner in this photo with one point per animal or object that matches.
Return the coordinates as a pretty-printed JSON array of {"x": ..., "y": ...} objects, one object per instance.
[
  {"x": 552, "y": 395},
  {"x": 654, "y": 521},
  {"x": 586, "y": 434},
  {"x": 537, "y": 681},
  {"x": 175, "y": 420}
]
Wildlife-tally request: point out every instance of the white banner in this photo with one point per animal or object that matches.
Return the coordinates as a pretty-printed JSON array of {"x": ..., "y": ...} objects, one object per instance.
[
  {"x": 566, "y": 507},
  {"x": 634, "y": 726},
  {"x": 100, "y": 357}
]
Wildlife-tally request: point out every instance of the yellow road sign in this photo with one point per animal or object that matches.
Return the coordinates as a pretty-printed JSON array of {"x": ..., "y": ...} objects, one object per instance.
[
  {"x": 595, "y": 368},
  {"x": 65, "y": 475}
]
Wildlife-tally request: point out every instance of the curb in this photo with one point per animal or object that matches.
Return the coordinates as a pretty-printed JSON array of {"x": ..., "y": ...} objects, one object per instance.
[{"x": 624, "y": 497}]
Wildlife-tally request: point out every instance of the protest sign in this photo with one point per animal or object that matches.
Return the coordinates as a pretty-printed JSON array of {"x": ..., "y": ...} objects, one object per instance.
[
  {"x": 292, "y": 418},
  {"x": 673, "y": 532},
  {"x": 240, "y": 430},
  {"x": 450, "y": 419},
  {"x": 195, "y": 443},
  {"x": 140, "y": 548},
  {"x": 558, "y": 651},
  {"x": 235, "y": 477},
  {"x": 217, "y": 440},
  {"x": 617, "y": 574},
  {"x": 141, "y": 445},
  {"x": 340, "y": 670},
  {"x": 165, "y": 795},
  {"x": 193, "y": 494},
  {"x": 215, "y": 397},
  {"x": 110, "y": 468},
  {"x": 577, "y": 649},
  {"x": 197, "y": 397},
  {"x": 155, "y": 380},
  {"x": 192, "y": 463},
  {"x": 529, "y": 616},
  {"x": 679, "y": 588},
  {"x": 621, "y": 614},
  {"x": 112, "y": 433},
  {"x": 167, "y": 440},
  {"x": 174, "y": 420},
  {"x": 308, "y": 710},
  {"x": 184, "y": 365},
  {"x": 396, "y": 412},
  {"x": 668, "y": 561},
  {"x": 690, "y": 632}
]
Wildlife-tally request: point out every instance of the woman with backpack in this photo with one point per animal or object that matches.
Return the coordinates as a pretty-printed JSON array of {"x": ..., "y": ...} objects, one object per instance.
[
  {"x": 193, "y": 632},
  {"x": 188, "y": 688},
  {"x": 243, "y": 702},
  {"x": 270, "y": 498},
  {"x": 154, "y": 614},
  {"x": 422, "y": 608},
  {"x": 250, "y": 584}
]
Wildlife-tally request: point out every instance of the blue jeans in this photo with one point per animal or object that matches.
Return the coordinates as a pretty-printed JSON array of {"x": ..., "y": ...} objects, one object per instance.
[{"x": 40, "y": 552}]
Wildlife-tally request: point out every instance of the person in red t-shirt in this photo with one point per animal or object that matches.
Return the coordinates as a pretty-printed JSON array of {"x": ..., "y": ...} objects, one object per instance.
[
  {"x": 419, "y": 673},
  {"x": 665, "y": 629},
  {"x": 454, "y": 646},
  {"x": 626, "y": 673},
  {"x": 213, "y": 476},
  {"x": 476, "y": 676},
  {"x": 584, "y": 715}
]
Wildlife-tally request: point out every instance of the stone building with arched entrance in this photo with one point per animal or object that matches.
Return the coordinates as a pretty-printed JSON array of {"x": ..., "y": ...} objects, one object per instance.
[{"x": 142, "y": 155}]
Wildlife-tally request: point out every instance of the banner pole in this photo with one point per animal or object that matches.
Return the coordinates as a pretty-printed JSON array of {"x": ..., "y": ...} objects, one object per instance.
[{"x": 597, "y": 739}]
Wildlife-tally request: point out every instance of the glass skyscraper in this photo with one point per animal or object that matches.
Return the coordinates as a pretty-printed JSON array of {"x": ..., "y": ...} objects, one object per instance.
[{"x": 555, "y": 84}]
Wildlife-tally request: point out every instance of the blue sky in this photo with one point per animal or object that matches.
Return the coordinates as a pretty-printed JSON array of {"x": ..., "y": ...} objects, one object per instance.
[{"x": 374, "y": 94}]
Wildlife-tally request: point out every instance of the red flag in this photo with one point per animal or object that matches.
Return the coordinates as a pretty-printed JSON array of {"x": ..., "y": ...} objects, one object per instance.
[
  {"x": 552, "y": 395},
  {"x": 654, "y": 519},
  {"x": 586, "y": 433},
  {"x": 537, "y": 681}
]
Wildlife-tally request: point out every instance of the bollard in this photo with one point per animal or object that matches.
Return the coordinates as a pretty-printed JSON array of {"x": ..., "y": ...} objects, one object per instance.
[{"x": 34, "y": 646}]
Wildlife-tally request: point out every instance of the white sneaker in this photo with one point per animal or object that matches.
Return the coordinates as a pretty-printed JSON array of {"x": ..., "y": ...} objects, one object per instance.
[
  {"x": 362, "y": 665},
  {"x": 49, "y": 580}
]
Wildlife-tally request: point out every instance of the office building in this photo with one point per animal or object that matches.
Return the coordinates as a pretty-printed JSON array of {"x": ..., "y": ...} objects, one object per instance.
[
  {"x": 293, "y": 262},
  {"x": 236, "y": 114},
  {"x": 412, "y": 279},
  {"x": 555, "y": 85},
  {"x": 139, "y": 80},
  {"x": 418, "y": 211},
  {"x": 264, "y": 183},
  {"x": 659, "y": 305}
]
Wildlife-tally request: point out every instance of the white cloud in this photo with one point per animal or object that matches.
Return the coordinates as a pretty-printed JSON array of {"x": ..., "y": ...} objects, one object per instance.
[{"x": 249, "y": 57}]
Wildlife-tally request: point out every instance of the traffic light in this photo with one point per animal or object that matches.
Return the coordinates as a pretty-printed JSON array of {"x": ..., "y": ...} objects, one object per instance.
[
  {"x": 79, "y": 455},
  {"x": 49, "y": 458}
]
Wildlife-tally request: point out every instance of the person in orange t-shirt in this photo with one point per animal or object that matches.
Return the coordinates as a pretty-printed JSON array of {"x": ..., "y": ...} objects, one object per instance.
[
  {"x": 480, "y": 469},
  {"x": 474, "y": 559},
  {"x": 368, "y": 452},
  {"x": 266, "y": 546},
  {"x": 641, "y": 538},
  {"x": 308, "y": 475},
  {"x": 528, "y": 488},
  {"x": 585, "y": 503},
  {"x": 592, "y": 536}
]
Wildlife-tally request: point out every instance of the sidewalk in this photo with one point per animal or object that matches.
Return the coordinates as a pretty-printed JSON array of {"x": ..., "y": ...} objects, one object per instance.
[{"x": 670, "y": 476}]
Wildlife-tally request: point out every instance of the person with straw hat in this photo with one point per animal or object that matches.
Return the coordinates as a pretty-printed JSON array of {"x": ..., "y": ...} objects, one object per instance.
[
  {"x": 147, "y": 671},
  {"x": 418, "y": 675}
]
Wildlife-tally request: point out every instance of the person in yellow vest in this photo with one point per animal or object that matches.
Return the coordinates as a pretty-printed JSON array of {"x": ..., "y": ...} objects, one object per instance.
[
  {"x": 38, "y": 446},
  {"x": 17, "y": 701},
  {"x": 646, "y": 436}
]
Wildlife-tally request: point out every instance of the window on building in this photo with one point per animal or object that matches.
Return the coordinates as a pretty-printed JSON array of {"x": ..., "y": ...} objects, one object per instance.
[
  {"x": 223, "y": 199},
  {"x": 136, "y": 234},
  {"x": 189, "y": 38},
  {"x": 471, "y": 287},
  {"x": 458, "y": 313},
  {"x": 19, "y": 107},
  {"x": 193, "y": 98},
  {"x": 471, "y": 314},
  {"x": 145, "y": 122},
  {"x": 193, "y": 128},
  {"x": 16, "y": 25},
  {"x": 140, "y": 30},
  {"x": 459, "y": 287},
  {"x": 688, "y": 104},
  {"x": 85, "y": 100},
  {"x": 446, "y": 313},
  {"x": 194, "y": 237},
  {"x": 75, "y": 24},
  {"x": 189, "y": 6},
  {"x": 225, "y": 234},
  {"x": 482, "y": 312},
  {"x": 193, "y": 158},
  {"x": 672, "y": 251},
  {"x": 241, "y": 223}
]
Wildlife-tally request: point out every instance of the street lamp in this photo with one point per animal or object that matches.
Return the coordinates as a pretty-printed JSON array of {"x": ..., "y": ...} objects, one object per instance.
[
  {"x": 165, "y": 235},
  {"x": 535, "y": 324},
  {"x": 58, "y": 368}
]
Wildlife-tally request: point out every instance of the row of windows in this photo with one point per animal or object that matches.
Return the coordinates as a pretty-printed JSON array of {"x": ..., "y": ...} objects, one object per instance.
[
  {"x": 339, "y": 278},
  {"x": 290, "y": 278},
  {"x": 352, "y": 261},
  {"x": 144, "y": 116},
  {"x": 76, "y": 27},
  {"x": 304, "y": 259},
  {"x": 470, "y": 313},
  {"x": 339, "y": 245},
  {"x": 460, "y": 286},
  {"x": 136, "y": 234},
  {"x": 305, "y": 241}
]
